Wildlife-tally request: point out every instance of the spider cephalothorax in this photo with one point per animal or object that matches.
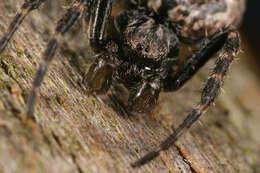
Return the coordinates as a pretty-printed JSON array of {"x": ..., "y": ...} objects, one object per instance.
[
  {"x": 139, "y": 47},
  {"x": 147, "y": 37}
]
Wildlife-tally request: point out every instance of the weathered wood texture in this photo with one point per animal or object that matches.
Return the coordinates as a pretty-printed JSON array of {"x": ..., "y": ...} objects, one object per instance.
[{"x": 78, "y": 133}]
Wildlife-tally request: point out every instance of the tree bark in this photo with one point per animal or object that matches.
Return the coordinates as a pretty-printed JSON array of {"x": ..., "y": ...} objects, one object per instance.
[{"x": 75, "y": 132}]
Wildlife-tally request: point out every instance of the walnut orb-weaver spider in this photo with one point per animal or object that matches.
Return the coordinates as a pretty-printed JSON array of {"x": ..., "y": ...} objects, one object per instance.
[{"x": 139, "y": 47}]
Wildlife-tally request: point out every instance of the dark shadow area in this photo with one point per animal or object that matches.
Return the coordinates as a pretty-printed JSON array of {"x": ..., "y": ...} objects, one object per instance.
[
  {"x": 251, "y": 26},
  {"x": 250, "y": 31}
]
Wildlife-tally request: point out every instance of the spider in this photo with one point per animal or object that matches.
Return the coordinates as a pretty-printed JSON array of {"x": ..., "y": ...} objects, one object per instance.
[{"x": 140, "y": 49}]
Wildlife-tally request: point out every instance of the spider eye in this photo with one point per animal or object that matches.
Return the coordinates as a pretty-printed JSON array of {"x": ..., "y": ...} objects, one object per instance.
[
  {"x": 147, "y": 49},
  {"x": 139, "y": 47}
]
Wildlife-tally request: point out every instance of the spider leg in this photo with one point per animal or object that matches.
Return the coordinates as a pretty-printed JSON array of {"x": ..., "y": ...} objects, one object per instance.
[
  {"x": 63, "y": 26},
  {"x": 226, "y": 55},
  {"x": 144, "y": 96},
  {"x": 26, "y": 8},
  {"x": 204, "y": 50},
  {"x": 101, "y": 11},
  {"x": 99, "y": 75}
]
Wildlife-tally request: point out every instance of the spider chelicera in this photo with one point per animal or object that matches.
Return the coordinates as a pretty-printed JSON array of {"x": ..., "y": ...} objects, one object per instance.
[{"x": 139, "y": 48}]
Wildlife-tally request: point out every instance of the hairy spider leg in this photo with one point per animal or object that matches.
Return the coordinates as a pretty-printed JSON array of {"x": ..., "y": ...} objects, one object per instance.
[
  {"x": 203, "y": 52},
  {"x": 99, "y": 75},
  {"x": 101, "y": 11},
  {"x": 210, "y": 91},
  {"x": 144, "y": 96},
  {"x": 63, "y": 26},
  {"x": 26, "y": 8}
]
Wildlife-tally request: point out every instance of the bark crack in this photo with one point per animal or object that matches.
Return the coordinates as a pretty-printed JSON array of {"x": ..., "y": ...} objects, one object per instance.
[
  {"x": 74, "y": 159},
  {"x": 185, "y": 160}
]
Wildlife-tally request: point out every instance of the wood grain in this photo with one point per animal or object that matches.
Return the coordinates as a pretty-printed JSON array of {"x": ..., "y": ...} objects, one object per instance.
[{"x": 79, "y": 133}]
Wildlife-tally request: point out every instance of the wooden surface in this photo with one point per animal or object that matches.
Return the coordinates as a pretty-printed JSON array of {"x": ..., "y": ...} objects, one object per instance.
[{"x": 75, "y": 132}]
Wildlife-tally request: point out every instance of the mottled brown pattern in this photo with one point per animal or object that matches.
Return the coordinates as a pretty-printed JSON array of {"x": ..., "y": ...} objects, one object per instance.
[{"x": 198, "y": 18}]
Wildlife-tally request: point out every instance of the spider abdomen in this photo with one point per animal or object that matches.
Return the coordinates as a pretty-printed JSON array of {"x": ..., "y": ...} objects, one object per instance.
[{"x": 194, "y": 19}]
